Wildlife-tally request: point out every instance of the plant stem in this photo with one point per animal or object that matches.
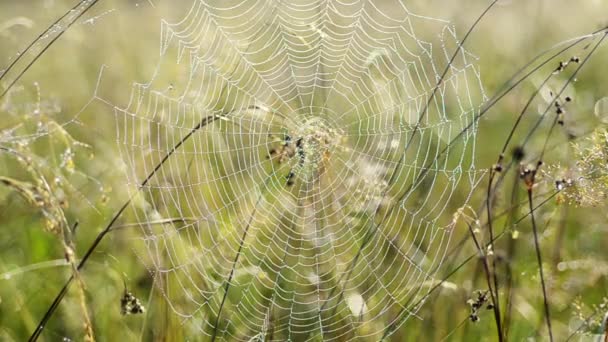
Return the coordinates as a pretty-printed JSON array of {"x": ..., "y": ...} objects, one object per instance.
[{"x": 540, "y": 265}]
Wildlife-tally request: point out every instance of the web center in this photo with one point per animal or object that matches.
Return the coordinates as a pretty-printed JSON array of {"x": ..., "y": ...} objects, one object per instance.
[{"x": 314, "y": 142}]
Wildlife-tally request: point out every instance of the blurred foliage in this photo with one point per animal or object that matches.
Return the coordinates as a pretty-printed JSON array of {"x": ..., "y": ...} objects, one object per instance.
[{"x": 60, "y": 165}]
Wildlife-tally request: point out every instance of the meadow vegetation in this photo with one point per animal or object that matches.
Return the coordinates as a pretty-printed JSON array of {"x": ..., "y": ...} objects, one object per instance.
[{"x": 66, "y": 170}]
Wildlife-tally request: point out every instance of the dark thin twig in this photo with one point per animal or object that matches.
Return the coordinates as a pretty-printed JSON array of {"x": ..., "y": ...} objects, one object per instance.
[
  {"x": 458, "y": 50},
  {"x": 395, "y": 322},
  {"x": 98, "y": 239},
  {"x": 455, "y": 329},
  {"x": 569, "y": 44},
  {"x": 530, "y": 185},
  {"x": 374, "y": 227},
  {"x": 22, "y": 53},
  {"x": 491, "y": 273},
  {"x": 509, "y": 86},
  {"x": 488, "y": 273},
  {"x": 564, "y": 87},
  {"x": 483, "y": 111},
  {"x": 511, "y": 250},
  {"x": 236, "y": 258},
  {"x": 389, "y": 329},
  {"x": 47, "y": 46},
  {"x": 203, "y": 123},
  {"x": 498, "y": 168},
  {"x": 51, "y": 310},
  {"x": 539, "y": 260},
  {"x": 522, "y": 113}
]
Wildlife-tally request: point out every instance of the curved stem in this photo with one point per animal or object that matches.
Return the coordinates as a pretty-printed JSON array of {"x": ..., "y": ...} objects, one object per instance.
[
  {"x": 540, "y": 265},
  {"x": 51, "y": 310}
]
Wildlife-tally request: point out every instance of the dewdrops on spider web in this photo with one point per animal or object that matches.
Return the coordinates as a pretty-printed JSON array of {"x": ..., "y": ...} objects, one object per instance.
[{"x": 356, "y": 154}]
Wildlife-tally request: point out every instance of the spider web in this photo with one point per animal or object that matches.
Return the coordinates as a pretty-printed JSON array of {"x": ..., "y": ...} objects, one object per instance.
[{"x": 312, "y": 174}]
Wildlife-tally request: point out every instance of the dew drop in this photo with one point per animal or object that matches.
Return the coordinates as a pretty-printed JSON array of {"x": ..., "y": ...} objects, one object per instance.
[{"x": 601, "y": 109}]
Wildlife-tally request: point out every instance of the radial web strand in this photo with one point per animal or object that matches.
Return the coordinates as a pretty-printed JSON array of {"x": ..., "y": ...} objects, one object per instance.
[{"x": 318, "y": 202}]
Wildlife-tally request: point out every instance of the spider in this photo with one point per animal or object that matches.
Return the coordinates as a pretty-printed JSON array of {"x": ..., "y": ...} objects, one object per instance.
[
  {"x": 286, "y": 150},
  {"x": 311, "y": 145}
]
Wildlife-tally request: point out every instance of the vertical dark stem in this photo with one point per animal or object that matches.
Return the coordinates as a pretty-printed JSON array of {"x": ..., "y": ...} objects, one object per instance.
[
  {"x": 236, "y": 260},
  {"x": 540, "y": 264},
  {"x": 48, "y": 31},
  {"x": 374, "y": 227},
  {"x": 51, "y": 310},
  {"x": 511, "y": 250},
  {"x": 559, "y": 241},
  {"x": 492, "y": 271},
  {"x": 487, "y": 272}
]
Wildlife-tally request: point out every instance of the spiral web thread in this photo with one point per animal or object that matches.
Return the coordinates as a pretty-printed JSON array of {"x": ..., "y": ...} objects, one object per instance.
[{"x": 317, "y": 200}]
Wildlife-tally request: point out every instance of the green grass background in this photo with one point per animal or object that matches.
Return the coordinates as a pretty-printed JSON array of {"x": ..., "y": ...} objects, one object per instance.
[{"x": 124, "y": 35}]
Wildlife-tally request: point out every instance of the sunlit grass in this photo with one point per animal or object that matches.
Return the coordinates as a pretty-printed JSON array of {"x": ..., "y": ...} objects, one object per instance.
[{"x": 53, "y": 147}]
